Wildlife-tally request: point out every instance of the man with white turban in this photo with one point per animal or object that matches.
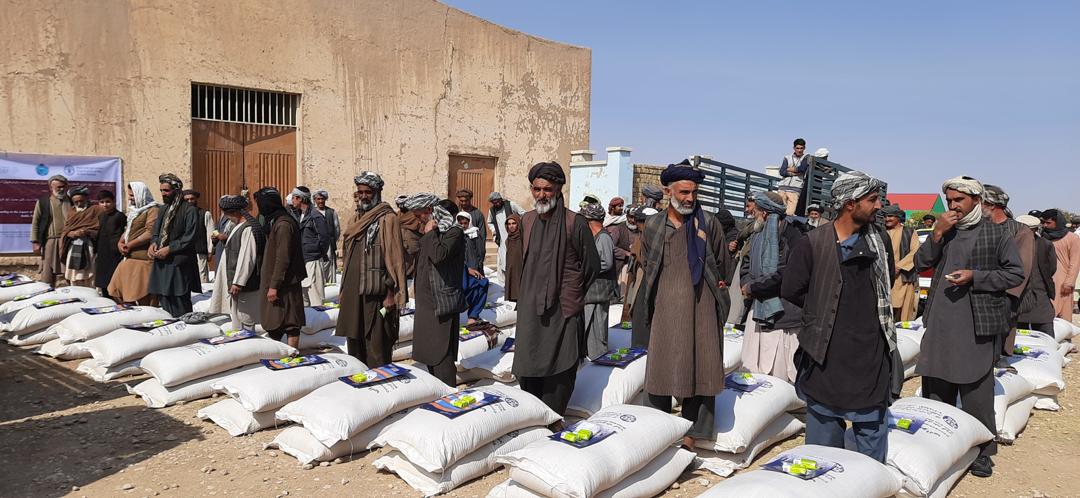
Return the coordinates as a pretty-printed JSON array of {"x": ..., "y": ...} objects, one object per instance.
[
  {"x": 46, "y": 227},
  {"x": 967, "y": 313},
  {"x": 839, "y": 275},
  {"x": 333, "y": 223},
  {"x": 415, "y": 213},
  {"x": 373, "y": 283},
  {"x": 1037, "y": 303}
]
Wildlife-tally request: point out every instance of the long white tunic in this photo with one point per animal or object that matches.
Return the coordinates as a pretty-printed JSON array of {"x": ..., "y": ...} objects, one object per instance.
[{"x": 220, "y": 300}]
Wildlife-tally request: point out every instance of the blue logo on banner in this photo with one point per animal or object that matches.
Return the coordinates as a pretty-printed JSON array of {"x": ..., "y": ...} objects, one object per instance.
[
  {"x": 42, "y": 170},
  {"x": 69, "y": 170}
]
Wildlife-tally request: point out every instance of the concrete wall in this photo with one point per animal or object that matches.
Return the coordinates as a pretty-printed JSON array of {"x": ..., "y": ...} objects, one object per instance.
[
  {"x": 393, "y": 86},
  {"x": 608, "y": 178}
]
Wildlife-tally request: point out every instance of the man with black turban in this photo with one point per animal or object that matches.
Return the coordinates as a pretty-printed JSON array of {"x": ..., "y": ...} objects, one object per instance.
[
  {"x": 175, "y": 273},
  {"x": 373, "y": 283},
  {"x": 682, "y": 304},
  {"x": 236, "y": 283},
  {"x": 560, "y": 263},
  {"x": 203, "y": 240},
  {"x": 1067, "y": 248},
  {"x": 282, "y": 270}
]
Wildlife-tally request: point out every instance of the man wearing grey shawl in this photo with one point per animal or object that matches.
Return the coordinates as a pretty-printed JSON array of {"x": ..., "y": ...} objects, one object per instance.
[
  {"x": 604, "y": 289},
  {"x": 438, "y": 285},
  {"x": 839, "y": 275},
  {"x": 772, "y": 332},
  {"x": 967, "y": 313},
  {"x": 175, "y": 273}
]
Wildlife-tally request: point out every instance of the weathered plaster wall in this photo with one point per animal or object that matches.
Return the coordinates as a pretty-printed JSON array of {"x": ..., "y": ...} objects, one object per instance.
[{"x": 393, "y": 86}]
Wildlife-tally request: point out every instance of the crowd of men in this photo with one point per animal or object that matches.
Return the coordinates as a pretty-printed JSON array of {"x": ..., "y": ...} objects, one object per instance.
[{"x": 818, "y": 298}]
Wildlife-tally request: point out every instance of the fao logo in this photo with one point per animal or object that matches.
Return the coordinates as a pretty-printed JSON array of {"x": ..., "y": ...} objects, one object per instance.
[
  {"x": 949, "y": 420},
  {"x": 69, "y": 170},
  {"x": 42, "y": 170},
  {"x": 628, "y": 418},
  {"x": 511, "y": 401}
]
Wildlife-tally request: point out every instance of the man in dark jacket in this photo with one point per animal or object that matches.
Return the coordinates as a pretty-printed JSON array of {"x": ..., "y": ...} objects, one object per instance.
[
  {"x": 839, "y": 275},
  {"x": 175, "y": 274},
  {"x": 439, "y": 294},
  {"x": 967, "y": 315},
  {"x": 1037, "y": 304},
  {"x": 282, "y": 308},
  {"x": 315, "y": 242},
  {"x": 203, "y": 240},
  {"x": 112, "y": 223},
  {"x": 46, "y": 227}
]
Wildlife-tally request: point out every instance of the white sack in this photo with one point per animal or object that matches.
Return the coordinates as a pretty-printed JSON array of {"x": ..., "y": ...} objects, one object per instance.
[
  {"x": 262, "y": 389},
  {"x": 405, "y": 328},
  {"x": 779, "y": 429},
  {"x": 599, "y": 386},
  {"x": 30, "y": 318},
  {"x": 124, "y": 345},
  {"x": 491, "y": 364},
  {"x": 156, "y": 395},
  {"x": 1008, "y": 389},
  {"x": 201, "y": 302},
  {"x": 57, "y": 349},
  {"x": 1015, "y": 419},
  {"x": 320, "y": 340},
  {"x": 479, "y": 345},
  {"x": 402, "y": 351},
  {"x": 1044, "y": 371},
  {"x": 237, "y": 421},
  {"x": 952, "y": 476},
  {"x": 1046, "y": 402},
  {"x": 862, "y": 477},
  {"x": 337, "y": 411},
  {"x": 1064, "y": 330},
  {"x": 298, "y": 442},
  {"x": 93, "y": 369},
  {"x": 83, "y": 326},
  {"x": 33, "y": 338},
  {"x": 733, "y": 344},
  {"x": 28, "y": 298},
  {"x": 554, "y": 468},
  {"x": 908, "y": 348},
  {"x": 178, "y": 365},
  {"x": 499, "y": 313},
  {"x": 9, "y": 293},
  {"x": 650, "y": 481},
  {"x": 434, "y": 442},
  {"x": 741, "y": 416},
  {"x": 474, "y": 465},
  {"x": 1035, "y": 338}
]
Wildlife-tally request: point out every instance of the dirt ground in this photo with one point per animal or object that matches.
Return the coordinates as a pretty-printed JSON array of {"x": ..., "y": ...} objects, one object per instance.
[{"x": 64, "y": 434}]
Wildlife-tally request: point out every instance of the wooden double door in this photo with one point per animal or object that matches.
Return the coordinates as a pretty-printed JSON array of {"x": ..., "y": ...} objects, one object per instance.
[
  {"x": 230, "y": 157},
  {"x": 476, "y": 173}
]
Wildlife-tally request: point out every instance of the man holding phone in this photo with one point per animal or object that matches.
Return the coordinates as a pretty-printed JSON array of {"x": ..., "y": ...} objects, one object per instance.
[{"x": 967, "y": 318}]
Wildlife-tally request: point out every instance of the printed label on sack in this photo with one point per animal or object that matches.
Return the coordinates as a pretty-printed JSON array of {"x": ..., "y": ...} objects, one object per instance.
[
  {"x": 406, "y": 311},
  {"x": 908, "y": 423},
  {"x": 36, "y": 294},
  {"x": 508, "y": 345},
  {"x": 802, "y": 467},
  {"x": 326, "y": 306},
  {"x": 1029, "y": 351},
  {"x": 620, "y": 358},
  {"x": 15, "y": 282},
  {"x": 909, "y": 325},
  {"x": 460, "y": 403},
  {"x": 10, "y": 276},
  {"x": 49, "y": 303},
  {"x": 102, "y": 310},
  {"x": 230, "y": 336},
  {"x": 743, "y": 381},
  {"x": 151, "y": 325},
  {"x": 293, "y": 362},
  {"x": 1002, "y": 372},
  {"x": 582, "y": 434},
  {"x": 384, "y": 373},
  {"x": 626, "y": 325}
]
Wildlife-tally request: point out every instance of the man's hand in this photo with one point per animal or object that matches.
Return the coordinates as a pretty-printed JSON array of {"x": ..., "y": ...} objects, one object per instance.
[
  {"x": 732, "y": 246},
  {"x": 475, "y": 274},
  {"x": 37, "y": 247},
  {"x": 896, "y": 272},
  {"x": 746, "y": 291},
  {"x": 271, "y": 295},
  {"x": 234, "y": 290},
  {"x": 162, "y": 253},
  {"x": 429, "y": 226},
  {"x": 945, "y": 223},
  {"x": 960, "y": 277},
  {"x": 390, "y": 301},
  {"x": 1067, "y": 290},
  {"x": 152, "y": 251}
]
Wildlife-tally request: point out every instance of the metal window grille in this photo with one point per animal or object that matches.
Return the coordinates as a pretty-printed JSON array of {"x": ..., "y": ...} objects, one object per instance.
[{"x": 239, "y": 105}]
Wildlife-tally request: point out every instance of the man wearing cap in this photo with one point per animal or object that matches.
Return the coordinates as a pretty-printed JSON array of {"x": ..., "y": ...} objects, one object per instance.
[
  {"x": 604, "y": 289},
  {"x": 333, "y": 224},
  {"x": 968, "y": 313},
  {"x": 615, "y": 224},
  {"x": 282, "y": 270},
  {"x": 416, "y": 212},
  {"x": 813, "y": 216},
  {"x": 237, "y": 278},
  {"x": 203, "y": 240},
  {"x": 315, "y": 242},
  {"x": 1067, "y": 249},
  {"x": 995, "y": 203},
  {"x": 1037, "y": 304},
  {"x": 905, "y": 288},
  {"x": 685, "y": 303},
  {"x": 46, "y": 225},
  {"x": 175, "y": 271},
  {"x": 373, "y": 283},
  {"x": 464, "y": 199},
  {"x": 560, "y": 263},
  {"x": 501, "y": 209},
  {"x": 839, "y": 275},
  {"x": 792, "y": 171},
  {"x": 651, "y": 195}
]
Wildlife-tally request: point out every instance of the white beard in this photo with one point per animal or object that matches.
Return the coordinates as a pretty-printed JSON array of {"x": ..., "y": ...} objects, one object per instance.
[
  {"x": 681, "y": 209},
  {"x": 364, "y": 206},
  {"x": 543, "y": 207}
]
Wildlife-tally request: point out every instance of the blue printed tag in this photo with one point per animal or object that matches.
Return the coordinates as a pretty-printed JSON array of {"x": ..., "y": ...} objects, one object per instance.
[
  {"x": 14, "y": 282},
  {"x": 151, "y": 325},
  {"x": 229, "y": 336},
  {"x": 905, "y": 422},
  {"x": 620, "y": 358},
  {"x": 108, "y": 309},
  {"x": 460, "y": 403},
  {"x": 508, "y": 345},
  {"x": 384, "y": 373},
  {"x": 49, "y": 303},
  {"x": 582, "y": 434},
  {"x": 326, "y": 307},
  {"x": 1029, "y": 351},
  {"x": 743, "y": 381},
  {"x": 32, "y": 294},
  {"x": 293, "y": 362},
  {"x": 801, "y": 467},
  {"x": 406, "y": 311}
]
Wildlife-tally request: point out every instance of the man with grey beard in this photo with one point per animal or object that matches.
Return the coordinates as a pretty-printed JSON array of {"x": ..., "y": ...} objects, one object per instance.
[
  {"x": 46, "y": 227},
  {"x": 560, "y": 263},
  {"x": 684, "y": 293}
]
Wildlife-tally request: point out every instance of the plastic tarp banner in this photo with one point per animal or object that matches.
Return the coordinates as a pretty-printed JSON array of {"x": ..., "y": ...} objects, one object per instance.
[{"x": 24, "y": 178}]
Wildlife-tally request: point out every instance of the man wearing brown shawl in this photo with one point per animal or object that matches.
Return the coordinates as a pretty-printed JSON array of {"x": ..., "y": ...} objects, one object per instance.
[
  {"x": 46, "y": 225},
  {"x": 80, "y": 230},
  {"x": 373, "y": 286},
  {"x": 560, "y": 265},
  {"x": 684, "y": 294},
  {"x": 282, "y": 269}
]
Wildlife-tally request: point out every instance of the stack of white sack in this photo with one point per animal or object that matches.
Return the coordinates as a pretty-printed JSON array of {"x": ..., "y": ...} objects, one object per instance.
[
  {"x": 19, "y": 285},
  {"x": 200, "y": 302},
  {"x": 175, "y": 366},
  {"x": 1042, "y": 368},
  {"x": 500, "y": 313},
  {"x": 495, "y": 363},
  {"x": 838, "y": 472},
  {"x": 909, "y": 344},
  {"x": 47, "y": 313},
  {"x": 600, "y": 386},
  {"x": 1043, "y": 340},
  {"x": 402, "y": 349},
  {"x": 1064, "y": 330},
  {"x": 300, "y": 443},
  {"x": 751, "y": 416},
  {"x": 468, "y": 348},
  {"x": 323, "y": 339},
  {"x": 620, "y": 336},
  {"x": 316, "y": 319},
  {"x": 130, "y": 344},
  {"x": 1013, "y": 403},
  {"x": 436, "y": 436},
  {"x": 92, "y": 368},
  {"x": 619, "y": 449},
  {"x": 156, "y": 395},
  {"x": 256, "y": 394},
  {"x": 91, "y": 323},
  {"x": 931, "y": 444},
  {"x": 36, "y": 337}
]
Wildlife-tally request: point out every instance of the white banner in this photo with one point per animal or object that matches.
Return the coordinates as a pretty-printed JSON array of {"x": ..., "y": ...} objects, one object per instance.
[{"x": 24, "y": 178}]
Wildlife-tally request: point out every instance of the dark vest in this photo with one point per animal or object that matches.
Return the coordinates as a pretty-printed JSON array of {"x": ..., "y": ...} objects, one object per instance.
[
  {"x": 232, "y": 254},
  {"x": 45, "y": 218},
  {"x": 908, "y": 277},
  {"x": 200, "y": 233},
  {"x": 989, "y": 310},
  {"x": 572, "y": 295}
]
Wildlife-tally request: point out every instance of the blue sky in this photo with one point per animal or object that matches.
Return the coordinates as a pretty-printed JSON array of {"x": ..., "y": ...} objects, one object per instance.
[{"x": 912, "y": 92}]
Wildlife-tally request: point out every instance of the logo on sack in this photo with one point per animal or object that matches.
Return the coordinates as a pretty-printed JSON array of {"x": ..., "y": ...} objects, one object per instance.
[
  {"x": 628, "y": 418},
  {"x": 511, "y": 401},
  {"x": 838, "y": 468},
  {"x": 949, "y": 420},
  {"x": 42, "y": 170}
]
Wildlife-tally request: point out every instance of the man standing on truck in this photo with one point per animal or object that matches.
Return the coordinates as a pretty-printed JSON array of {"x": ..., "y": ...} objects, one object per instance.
[{"x": 793, "y": 171}]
